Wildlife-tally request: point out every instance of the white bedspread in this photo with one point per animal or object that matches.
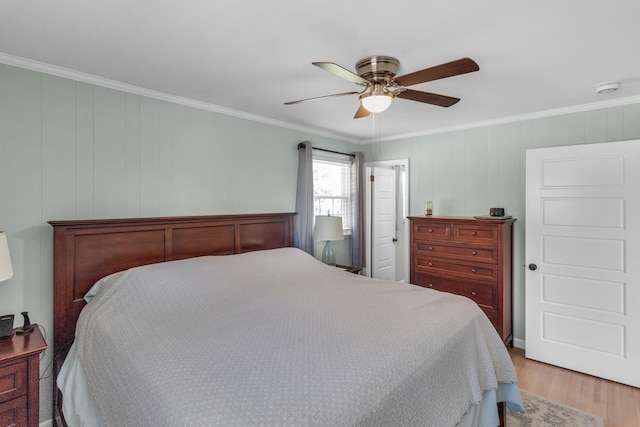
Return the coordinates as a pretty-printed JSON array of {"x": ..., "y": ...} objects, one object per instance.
[{"x": 278, "y": 338}]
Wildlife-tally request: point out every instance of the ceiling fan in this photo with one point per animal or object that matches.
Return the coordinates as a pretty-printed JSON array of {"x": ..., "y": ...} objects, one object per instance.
[{"x": 381, "y": 86}]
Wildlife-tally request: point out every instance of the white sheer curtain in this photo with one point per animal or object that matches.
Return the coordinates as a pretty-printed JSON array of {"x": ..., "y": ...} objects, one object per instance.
[
  {"x": 357, "y": 199},
  {"x": 303, "y": 236}
]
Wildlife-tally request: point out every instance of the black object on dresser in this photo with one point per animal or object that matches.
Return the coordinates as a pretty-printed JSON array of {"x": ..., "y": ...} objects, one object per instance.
[{"x": 468, "y": 257}]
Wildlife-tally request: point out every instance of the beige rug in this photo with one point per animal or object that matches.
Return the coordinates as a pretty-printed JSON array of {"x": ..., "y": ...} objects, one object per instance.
[{"x": 541, "y": 412}]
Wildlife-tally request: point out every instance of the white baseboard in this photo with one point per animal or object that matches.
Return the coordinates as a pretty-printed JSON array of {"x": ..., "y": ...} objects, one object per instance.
[
  {"x": 519, "y": 343},
  {"x": 48, "y": 423}
]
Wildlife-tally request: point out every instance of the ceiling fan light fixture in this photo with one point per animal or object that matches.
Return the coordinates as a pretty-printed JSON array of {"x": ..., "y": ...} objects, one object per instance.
[
  {"x": 377, "y": 100},
  {"x": 376, "y": 103}
]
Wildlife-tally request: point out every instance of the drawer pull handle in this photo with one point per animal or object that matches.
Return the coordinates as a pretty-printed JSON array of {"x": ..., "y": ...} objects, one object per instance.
[
  {"x": 430, "y": 264},
  {"x": 430, "y": 230},
  {"x": 430, "y": 248},
  {"x": 473, "y": 233},
  {"x": 474, "y": 294},
  {"x": 430, "y": 285},
  {"x": 473, "y": 270},
  {"x": 474, "y": 253}
]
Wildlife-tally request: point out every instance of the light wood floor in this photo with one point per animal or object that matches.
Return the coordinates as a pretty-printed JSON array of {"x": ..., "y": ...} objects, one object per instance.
[{"x": 618, "y": 404}]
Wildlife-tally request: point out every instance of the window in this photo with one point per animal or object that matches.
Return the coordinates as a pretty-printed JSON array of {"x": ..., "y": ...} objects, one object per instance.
[{"x": 332, "y": 187}]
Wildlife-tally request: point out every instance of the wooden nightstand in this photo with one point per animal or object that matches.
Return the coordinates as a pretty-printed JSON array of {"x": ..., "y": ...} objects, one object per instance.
[
  {"x": 348, "y": 269},
  {"x": 19, "y": 378}
]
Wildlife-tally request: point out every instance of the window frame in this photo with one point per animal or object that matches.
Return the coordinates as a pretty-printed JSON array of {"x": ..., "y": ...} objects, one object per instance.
[{"x": 347, "y": 197}]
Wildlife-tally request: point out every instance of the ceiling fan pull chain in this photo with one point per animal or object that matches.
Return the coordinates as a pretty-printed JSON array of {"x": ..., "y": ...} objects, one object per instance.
[
  {"x": 378, "y": 132},
  {"x": 375, "y": 134}
]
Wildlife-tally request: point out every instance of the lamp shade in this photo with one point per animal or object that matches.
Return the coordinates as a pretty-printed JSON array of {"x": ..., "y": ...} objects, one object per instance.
[
  {"x": 328, "y": 228},
  {"x": 6, "y": 270}
]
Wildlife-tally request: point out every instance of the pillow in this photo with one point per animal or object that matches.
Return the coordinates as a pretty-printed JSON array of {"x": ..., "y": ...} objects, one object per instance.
[{"x": 96, "y": 286}]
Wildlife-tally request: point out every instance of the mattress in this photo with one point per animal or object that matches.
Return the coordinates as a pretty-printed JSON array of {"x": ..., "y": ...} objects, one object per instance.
[{"x": 278, "y": 338}]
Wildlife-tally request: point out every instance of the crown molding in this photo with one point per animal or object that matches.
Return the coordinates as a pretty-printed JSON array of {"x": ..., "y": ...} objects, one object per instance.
[
  {"x": 67, "y": 73},
  {"x": 523, "y": 117}
]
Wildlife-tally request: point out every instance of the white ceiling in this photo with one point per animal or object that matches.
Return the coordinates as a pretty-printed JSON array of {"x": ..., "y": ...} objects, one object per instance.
[{"x": 249, "y": 57}]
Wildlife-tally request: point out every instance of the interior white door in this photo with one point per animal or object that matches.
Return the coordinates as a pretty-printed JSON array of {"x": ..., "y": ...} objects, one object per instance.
[
  {"x": 383, "y": 226},
  {"x": 583, "y": 258}
]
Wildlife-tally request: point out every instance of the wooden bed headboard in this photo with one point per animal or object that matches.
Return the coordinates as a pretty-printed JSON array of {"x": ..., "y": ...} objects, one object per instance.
[{"x": 86, "y": 250}]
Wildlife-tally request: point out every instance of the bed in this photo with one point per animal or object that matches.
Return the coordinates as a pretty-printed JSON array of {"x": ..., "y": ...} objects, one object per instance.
[{"x": 219, "y": 320}]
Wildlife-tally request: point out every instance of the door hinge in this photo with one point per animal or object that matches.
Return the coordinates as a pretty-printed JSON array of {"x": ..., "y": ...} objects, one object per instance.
[{"x": 372, "y": 178}]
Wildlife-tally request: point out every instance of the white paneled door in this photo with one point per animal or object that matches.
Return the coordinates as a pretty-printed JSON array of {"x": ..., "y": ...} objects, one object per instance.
[
  {"x": 383, "y": 233},
  {"x": 583, "y": 258}
]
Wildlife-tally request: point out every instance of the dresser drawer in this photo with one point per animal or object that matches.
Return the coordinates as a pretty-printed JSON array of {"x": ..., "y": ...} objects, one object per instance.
[
  {"x": 475, "y": 233},
  {"x": 14, "y": 412},
  {"x": 468, "y": 270},
  {"x": 482, "y": 294},
  {"x": 432, "y": 230},
  {"x": 13, "y": 381},
  {"x": 468, "y": 253}
]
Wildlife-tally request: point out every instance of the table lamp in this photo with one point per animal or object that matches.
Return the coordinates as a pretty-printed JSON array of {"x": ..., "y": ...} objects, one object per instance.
[{"x": 328, "y": 228}]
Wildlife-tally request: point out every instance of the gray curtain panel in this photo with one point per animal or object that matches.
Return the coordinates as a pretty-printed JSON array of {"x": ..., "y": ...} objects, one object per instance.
[
  {"x": 303, "y": 236},
  {"x": 357, "y": 197}
]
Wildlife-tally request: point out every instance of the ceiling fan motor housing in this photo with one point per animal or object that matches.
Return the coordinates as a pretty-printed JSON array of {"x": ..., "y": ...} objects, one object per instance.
[{"x": 378, "y": 69}]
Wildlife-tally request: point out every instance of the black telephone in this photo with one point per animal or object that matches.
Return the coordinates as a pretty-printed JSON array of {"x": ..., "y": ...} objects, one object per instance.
[{"x": 27, "y": 327}]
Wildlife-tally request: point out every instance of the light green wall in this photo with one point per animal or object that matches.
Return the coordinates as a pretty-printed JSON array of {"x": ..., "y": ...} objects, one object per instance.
[
  {"x": 70, "y": 150},
  {"x": 469, "y": 171}
]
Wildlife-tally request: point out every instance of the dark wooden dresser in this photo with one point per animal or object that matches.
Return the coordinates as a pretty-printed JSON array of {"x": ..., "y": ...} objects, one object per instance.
[
  {"x": 468, "y": 257},
  {"x": 19, "y": 378}
]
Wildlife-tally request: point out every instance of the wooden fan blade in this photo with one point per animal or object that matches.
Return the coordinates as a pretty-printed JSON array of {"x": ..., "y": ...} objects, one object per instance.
[
  {"x": 362, "y": 112},
  {"x": 428, "y": 98},
  {"x": 341, "y": 72},
  {"x": 320, "y": 97},
  {"x": 450, "y": 69}
]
